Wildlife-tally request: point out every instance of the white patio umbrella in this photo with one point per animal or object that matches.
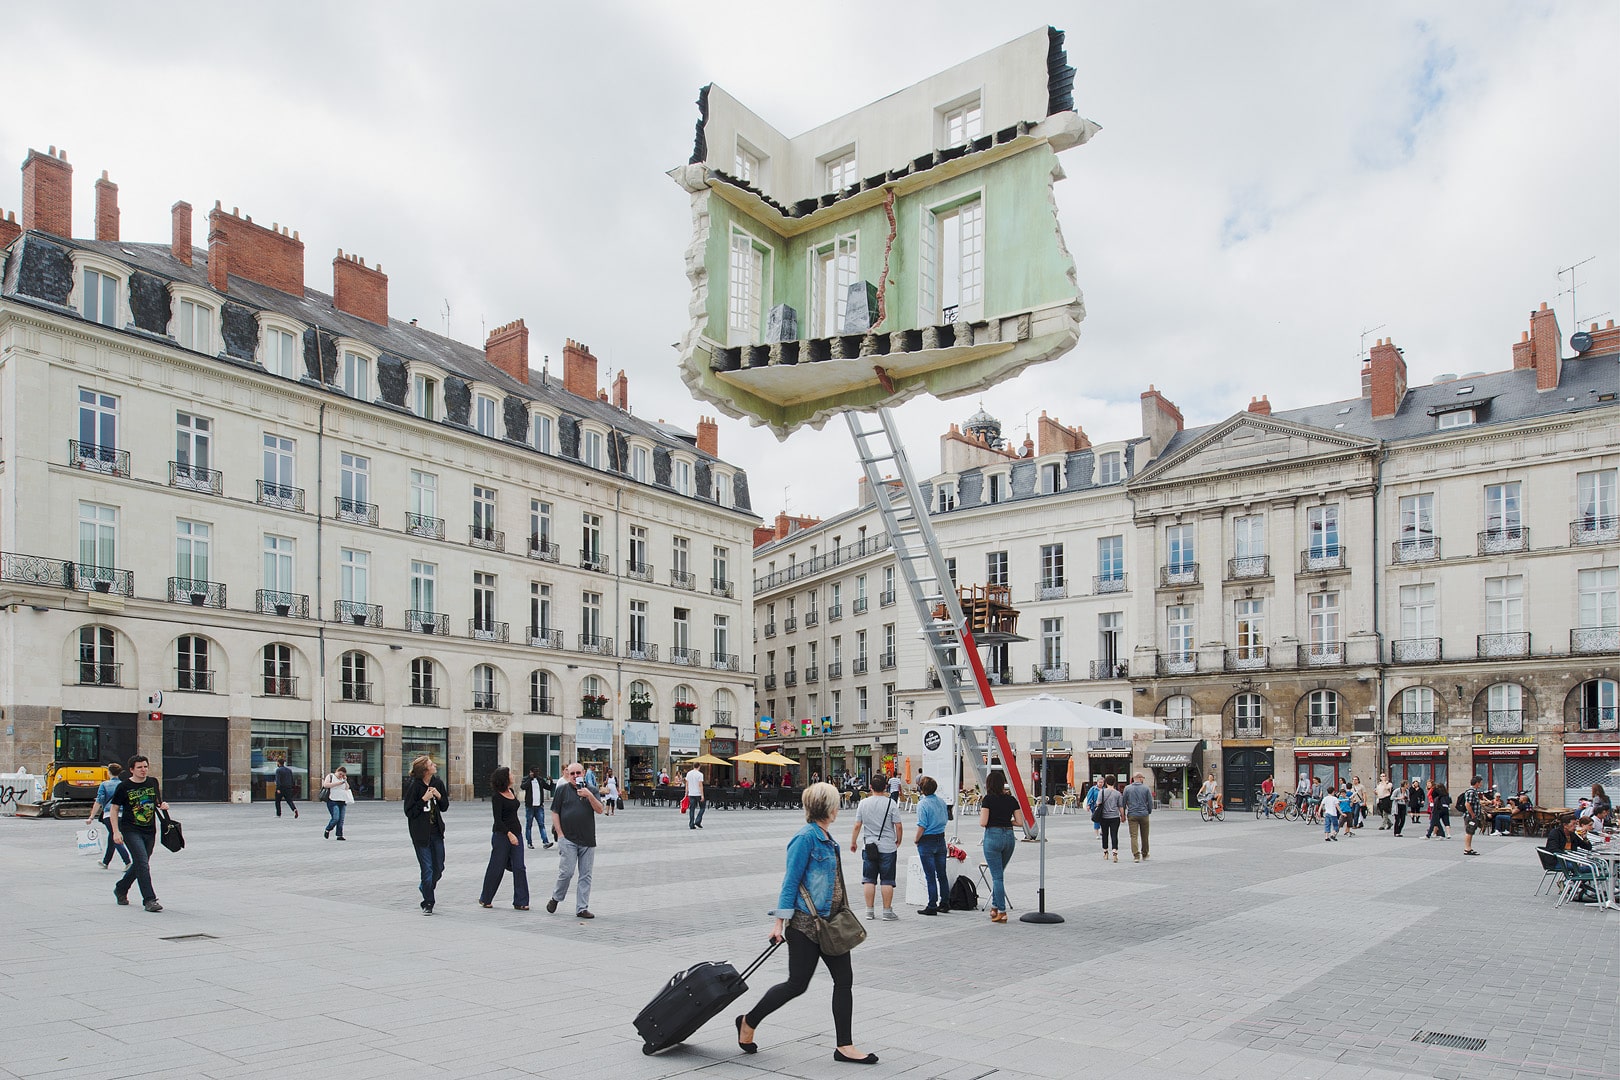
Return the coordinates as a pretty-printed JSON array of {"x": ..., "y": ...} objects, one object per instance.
[{"x": 1046, "y": 711}]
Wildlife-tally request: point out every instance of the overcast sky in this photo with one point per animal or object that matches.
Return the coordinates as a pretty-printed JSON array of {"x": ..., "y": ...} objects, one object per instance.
[{"x": 1271, "y": 179}]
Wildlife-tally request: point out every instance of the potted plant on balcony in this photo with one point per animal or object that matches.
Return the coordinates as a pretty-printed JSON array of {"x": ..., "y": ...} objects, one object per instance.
[
  {"x": 684, "y": 711},
  {"x": 590, "y": 705},
  {"x": 640, "y": 707}
]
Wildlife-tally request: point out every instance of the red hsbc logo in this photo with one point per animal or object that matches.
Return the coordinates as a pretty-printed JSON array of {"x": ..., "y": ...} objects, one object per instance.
[{"x": 357, "y": 731}]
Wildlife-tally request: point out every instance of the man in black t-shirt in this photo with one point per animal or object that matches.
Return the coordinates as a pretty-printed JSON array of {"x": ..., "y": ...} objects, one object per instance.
[
  {"x": 284, "y": 788},
  {"x": 573, "y": 821},
  {"x": 134, "y": 820}
]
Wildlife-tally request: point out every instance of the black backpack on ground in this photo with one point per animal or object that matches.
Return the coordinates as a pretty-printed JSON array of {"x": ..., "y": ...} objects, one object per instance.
[{"x": 964, "y": 894}]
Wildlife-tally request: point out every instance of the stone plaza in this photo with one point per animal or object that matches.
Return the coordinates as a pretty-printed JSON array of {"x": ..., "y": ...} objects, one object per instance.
[{"x": 1242, "y": 949}]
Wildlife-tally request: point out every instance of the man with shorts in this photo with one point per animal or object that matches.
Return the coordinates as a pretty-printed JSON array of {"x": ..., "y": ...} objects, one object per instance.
[
  {"x": 1473, "y": 812},
  {"x": 877, "y": 837}
]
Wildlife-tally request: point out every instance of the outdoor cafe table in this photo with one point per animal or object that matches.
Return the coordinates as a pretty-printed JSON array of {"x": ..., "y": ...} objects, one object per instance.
[{"x": 1613, "y": 859}]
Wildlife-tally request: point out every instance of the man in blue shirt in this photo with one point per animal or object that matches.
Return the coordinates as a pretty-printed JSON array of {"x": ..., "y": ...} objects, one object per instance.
[
  {"x": 930, "y": 841},
  {"x": 104, "y": 795}
]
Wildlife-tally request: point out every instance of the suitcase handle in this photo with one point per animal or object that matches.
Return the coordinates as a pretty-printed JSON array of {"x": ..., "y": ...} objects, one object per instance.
[{"x": 760, "y": 959}]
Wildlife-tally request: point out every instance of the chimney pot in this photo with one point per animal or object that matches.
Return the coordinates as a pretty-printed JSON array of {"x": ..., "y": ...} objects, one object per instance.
[
  {"x": 357, "y": 289},
  {"x": 579, "y": 369},
  {"x": 1386, "y": 378},
  {"x": 708, "y": 436},
  {"x": 106, "y": 209},
  {"x": 180, "y": 245},
  {"x": 47, "y": 193},
  {"x": 507, "y": 347}
]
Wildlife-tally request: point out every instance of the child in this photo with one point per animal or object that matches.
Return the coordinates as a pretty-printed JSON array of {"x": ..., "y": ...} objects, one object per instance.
[{"x": 1330, "y": 815}]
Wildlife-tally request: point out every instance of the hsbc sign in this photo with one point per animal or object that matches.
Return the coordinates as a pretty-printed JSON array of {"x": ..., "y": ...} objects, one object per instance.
[{"x": 357, "y": 731}]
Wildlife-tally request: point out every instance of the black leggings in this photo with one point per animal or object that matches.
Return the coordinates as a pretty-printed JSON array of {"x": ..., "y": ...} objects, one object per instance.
[
  {"x": 1110, "y": 833},
  {"x": 803, "y": 952}
]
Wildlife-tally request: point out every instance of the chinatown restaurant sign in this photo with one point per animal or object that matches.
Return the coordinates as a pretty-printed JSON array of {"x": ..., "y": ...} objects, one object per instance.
[{"x": 1417, "y": 746}]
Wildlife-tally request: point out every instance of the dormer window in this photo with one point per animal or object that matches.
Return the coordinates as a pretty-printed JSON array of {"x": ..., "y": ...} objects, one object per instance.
[
  {"x": 540, "y": 432},
  {"x": 1051, "y": 477},
  {"x": 484, "y": 415},
  {"x": 722, "y": 488},
  {"x": 945, "y": 497},
  {"x": 995, "y": 487},
  {"x": 356, "y": 375},
  {"x": 425, "y": 395},
  {"x": 1109, "y": 467},
  {"x": 1454, "y": 418},
  {"x": 100, "y": 297},
  {"x": 681, "y": 476},
  {"x": 640, "y": 462},
  {"x": 591, "y": 448},
  {"x": 194, "y": 325},
  {"x": 278, "y": 352}
]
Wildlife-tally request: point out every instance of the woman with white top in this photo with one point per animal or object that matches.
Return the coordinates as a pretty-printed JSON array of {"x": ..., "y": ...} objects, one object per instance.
[
  {"x": 610, "y": 795},
  {"x": 338, "y": 798}
]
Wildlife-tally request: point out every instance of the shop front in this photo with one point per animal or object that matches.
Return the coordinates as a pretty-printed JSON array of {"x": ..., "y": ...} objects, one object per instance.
[
  {"x": 640, "y": 754},
  {"x": 1586, "y": 764},
  {"x": 1244, "y": 767},
  {"x": 357, "y": 748},
  {"x": 863, "y": 764},
  {"x": 542, "y": 753},
  {"x": 1176, "y": 764},
  {"x": 1418, "y": 757},
  {"x": 196, "y": 758},
  {"x": 685, "y": 743},
  {"x": 271, "y": 742},
  {"x": 593, "y": 745},
  {"x": 1107, "y": 757},
  {"x": 723, "y": 774},
  {"x": 1508, "y": 764},
  {"x": 1322, "y": 757},
  {"x": 115, "y": 738},
  {"x": 415, "y": 742}
]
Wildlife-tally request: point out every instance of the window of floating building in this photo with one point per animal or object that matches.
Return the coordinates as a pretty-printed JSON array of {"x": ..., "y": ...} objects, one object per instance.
[
  {"x": 749, "y": 286},
  {"x": 951, "y": 287},
  {"x": 834, "y": 267}
]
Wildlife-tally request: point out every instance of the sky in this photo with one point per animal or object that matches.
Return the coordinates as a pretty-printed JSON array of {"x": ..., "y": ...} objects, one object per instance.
[{"x": 1275, "y": 185}]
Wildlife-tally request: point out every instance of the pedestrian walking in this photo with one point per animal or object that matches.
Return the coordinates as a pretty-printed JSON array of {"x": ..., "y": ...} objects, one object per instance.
[
  {"x": 877, "y": 837},
  {"x": 1399, "y": 801},
  {"x": 1092, "y": 795},
  {"x": 694, "y": 798},
  {"x": 1384, "y": 792},
  {"x": 1439, "y": 811},
  {"x": 505, "y": 846},
  {"x": 1330, "y": 814},
  {"x": 930, "y": 841},
  {"x": 338, "y": 795},
  {"x": 610, "y": 795},
  {"x": 285, "y": 785},
  {"x": 1473, "y": 813},
  {"x": 536, "y": 792},
  {"x": 1110, "y": 808},
  {"x": 1138, "y": 799},
  {"x": 573, "y": 822},
  {"x": 134, "y": 806},
  {"x": 996, "y": 812},
  {"x": 425, "y": 801},
  {"x": 1415, "y": 800},
  {"x": 812, "y": 890},
  {"x": 1316, "y": 799},
  {"x": 101, "y": 811},
  {"x": 894, "y": 788},
  {"x": 1353, "y": 807}
]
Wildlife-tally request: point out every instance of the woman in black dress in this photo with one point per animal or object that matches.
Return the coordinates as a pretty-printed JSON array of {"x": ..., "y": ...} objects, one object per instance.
[{"x": 505, "y": 843}]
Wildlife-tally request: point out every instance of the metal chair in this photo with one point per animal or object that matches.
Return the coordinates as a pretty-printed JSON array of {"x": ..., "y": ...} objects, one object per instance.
[
  {"x": 1550, "y": 869},
  {"x": 1579, "y": 874}
]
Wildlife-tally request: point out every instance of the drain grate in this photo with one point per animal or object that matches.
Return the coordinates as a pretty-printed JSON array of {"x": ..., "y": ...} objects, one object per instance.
[
  {"x": 190, "y": 937},
  {"x": 1454, "y": 1042}
]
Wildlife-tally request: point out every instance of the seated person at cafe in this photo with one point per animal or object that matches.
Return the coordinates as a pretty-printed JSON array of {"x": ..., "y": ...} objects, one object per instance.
[
  {"x": 1568, "y": 836},
  {"x": 1501, "y": 814}
]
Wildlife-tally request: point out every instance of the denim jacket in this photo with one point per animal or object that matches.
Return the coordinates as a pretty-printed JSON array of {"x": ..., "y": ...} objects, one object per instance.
[{"x": 812, "y": 861}]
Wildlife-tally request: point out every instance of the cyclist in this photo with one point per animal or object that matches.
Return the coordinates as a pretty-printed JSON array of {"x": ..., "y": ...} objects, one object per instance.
[
  {"x": 1207, "y": 792},
  {"x": 1268, "y": 794}
]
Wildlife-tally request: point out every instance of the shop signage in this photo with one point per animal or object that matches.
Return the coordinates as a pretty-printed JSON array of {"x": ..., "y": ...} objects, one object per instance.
[
  {"x": 683, "y": 738},
  {"x": 594, "y": 734},
  {"x": 1593, "y": 750},
  {"x": 722, "y": 747},
  {"x": 1416, "y": 740},
  {"x": 1337, "y": 741},
  {"x": 357, "y": 731},
  {"x": 1504, "y": 740},
  {"x": 1104, "y": 746},
  {"x": 1505, "y": 746},
  {"x": 640, "y": 733}
]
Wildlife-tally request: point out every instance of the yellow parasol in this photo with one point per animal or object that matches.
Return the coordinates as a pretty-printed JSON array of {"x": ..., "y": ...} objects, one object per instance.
[
  {"x": 775, "y": 758},
  {"x": 707, "y": 759},
  {"x": 753, "y": 757}
]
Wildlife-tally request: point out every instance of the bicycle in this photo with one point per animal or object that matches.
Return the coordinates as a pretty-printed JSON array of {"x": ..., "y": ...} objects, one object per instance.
[
  {"x": 1275, "y": 801},
  {"x": 1211, "y": 808}
]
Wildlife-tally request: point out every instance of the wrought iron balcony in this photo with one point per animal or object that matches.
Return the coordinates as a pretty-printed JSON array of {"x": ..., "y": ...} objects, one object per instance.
[
  {"x": 194, "y": 680},
  {"x": 640, "y": 650},
  {"x": 1178, "y": 727},
  {"x": 427, "y": 622},
  {"x": 719, "y": 586},
  {"x": 1322, "y": 726},
  {"x": 98, "y": 674},
  {"x": 356, "y": 613},
  {"x": 886, "y": 598},
  {"x": 858, "y": 666},
  {"x": 543, "y": 705},
  {"x": 722, "y": 717},
  {"x": 999, "y": 676},
  {"x": 1417, "y": 723},
  {"x": 425, "y": 696},
  {"x": 860, "y": 605},
  {"x": 1321, "y": 654},
  {"x": 487, "y": 630},
  {"x": 1248, "y": 566},
  {"x": 1415, "y": 650},
  {"x": 1601, "y": 718},
  {"x": 545, "y": 637},
  {"x": 835, "y": 612},
  {"x": 790, "y": 624},
  {"x": 429, "y": 528},
  {"x": 1504, "y": 721},
  {"x": 35, "y": 570},
  {"x": 812, "y": 674},
  {"x": 288, "y": 604},
  {"x": 280, "y": 685},
  {"x": 1327, "y": 557},
  {"x": 770, "y": 682},
  {"x": 1051, "y": 589},
  {"x": 349, "y": 690},
  {"x": 790, "y": 677},
  {"x": 483, "y": 536},
  {"x": 1110, "y": 669},
  {"x": 1103, "y": 584},
  {"x": 355, "y": 512},
  {"x": 596, "y": 644},
  {"x": 1491, "y": 646},
  {"x": 1178, "y": 663},
  {"x": 811, "y": 618},
  {"x": 1179, "y": 574},
  {"x": 686, "y": 657},
  {"x": 770, "y": 629},
  {"x": 196, "y": 592},
  {"x": 1248, "y": 658},
  {"x": 196, "y": 478},
  {"x": 638, "y": 571},
  {"x": 486, "y": 700},
  {"x": 725, "y": 661},
  {"x": 594, "y": 560},
  {"x": 101, "y": 459},
  {"x": 1419, "y": 549},
  {"x": 886, "y": 659},
  {"x": 281, "y": 496},
  {"x": 1594, "y": 530},
  {"x": 1504, "y": 540},
  {"x": 1586, "y": 640},
  {"x": 835, "y": 670},
  {"x": 683, "y": 579},
  {"x": 544, "y": 550},
  {"x": 103, "y": 579},
  {"x": 1053, "y": 673}
]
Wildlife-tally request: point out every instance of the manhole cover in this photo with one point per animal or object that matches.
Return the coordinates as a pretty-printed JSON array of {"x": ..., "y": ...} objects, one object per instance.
[
  {"x": 190, "y": 937},
  {"x": 1454, "y": 1042}
]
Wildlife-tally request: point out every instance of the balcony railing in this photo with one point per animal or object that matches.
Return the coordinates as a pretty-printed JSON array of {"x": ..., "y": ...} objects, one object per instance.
[
  {"x": 356, "y": 613},
  {"x": 280, "y": 685},
  {"x": 790, "y": 624},
  {"x": 593, "y": 560},
  {"x": 770, "y": 682},
  {"x": 835, "y": 670},
  {"x": 685, "y": 657},
  {"x": 835, "y": 612},
  {"x": 1248, "y": 566},
  {"x": 886, "y": 659},
  {"x": 811, "y": 618},
  {"x": 482, "y": 536},
  {"x": 1110, "y": 669},
  {"x": 770, "y": 629},
  {"x": 35, "y": 570},
  {"x": 1179, "y": 574},
  {"x": 683, "y": 579},
  {"x": 1108, "y": 583},
  {"x": 288, "y": 604},
  {"x": 545, "y": 637},
  {"x": 194, "y": 680},
  {"x": 349, "y": 690},
  {"x": 1504, "y": 721},
  {"x": 719, "y": 586},
  {"x": 858, "y": 666},
  {"x": 1321, "y": 558},
  {"x": 812, "y": 674},
  {"x": 545, "y": 706},
  {"x": 281, "y": 496},
  {"x": 638, "y": 571},
  {"x": 1178, "y": 727},
  {"x": 488, "y": 630},
  {"x": 1425, "y": 650},
  {"x": 1317, "y": 725},
  {"x": 1594, "y": 530},
  {"x": 429, "y": 528},
  {"x": 725, "y": 661},
  {"x": 196, "y": 478},
  {"x": 545, "y": 550},
  {"x": 1053, "y": 673},
  {"x": 886, "y": 598},
  {"x": 355, "y": 512},
  {"x": 1178, "y": 663},
  {"x": 867, "y": 545},
  {"x": 1051, "y": 589},
  {"x": 1248, "y": 658},
  {"x": 1491, "y": 646},
  {"x": 1417, "y": 723},
  {"x": 1420, "y": 549},
  {"x": 97, "y": 674},
  {"x": 486, "y": 700},
  {"x": 640, "y": 650},
  {"x": 1594, "y": 639},
  {"x": 596, "y": 644},
  {"x": 1602, "y": 718},
  {"x": 101, "y": 459},
  {"x": 1321, "y": 654},
  {"x": 103, "y": 579},
  {"x": 425, "y": 696},
  {"x": 1502, "y": 541},
  {"x": 427, "y": 622},
  {"x": 722, "y": 717},
  {"x": 790, "y": 677},
  {"x": 860, "y": 605},
  {"x": 196, "y": 592}
]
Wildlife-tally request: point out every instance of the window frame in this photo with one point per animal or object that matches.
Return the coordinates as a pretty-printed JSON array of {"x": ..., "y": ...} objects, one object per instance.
[
  {"x": 269, "y": 324},
  {"x": 181, "y": 294},
  {"x": 347, "y": 349}
]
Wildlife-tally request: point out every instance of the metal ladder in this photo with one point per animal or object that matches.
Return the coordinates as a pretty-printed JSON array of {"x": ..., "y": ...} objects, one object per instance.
[{"x": 950, "y": 644}]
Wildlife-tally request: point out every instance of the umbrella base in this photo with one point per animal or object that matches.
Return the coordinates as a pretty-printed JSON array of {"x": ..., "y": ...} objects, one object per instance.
[{"x": 1040, "y": 917}]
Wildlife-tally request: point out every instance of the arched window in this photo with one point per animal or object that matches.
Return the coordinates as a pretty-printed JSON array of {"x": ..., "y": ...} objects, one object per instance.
[
  {"x": 98, "y": 656},
  {"x": 1247, "y": 712},
  {"x": 1322, "y": 712},
  {"x": 1417, "y": 711},
  {"x": 593, "y": 697},
  {"x": 1113, "y": 705},
  {"x": 641, "y": 700},
  {"x": 1504, "y": 709},
  {"x": 1598, "y": 705},
  {"x": 483, "y": 687},
  {"x": 424, "y": 682},
  {"x": 725, "y": 707},
  {"x": 685, "y": 704},
  {"x": 1178, "y": 715},
  {"x": 540, "y": 699},
  {"x": 354, "y": 681},
  {"x": 278, "y": 671},
  {"x": 191, "y": 671}
]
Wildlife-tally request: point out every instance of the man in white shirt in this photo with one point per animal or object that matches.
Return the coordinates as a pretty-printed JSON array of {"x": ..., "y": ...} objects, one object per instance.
[
  {"x": 694, "y": 798},
  {"x": 877, "y": 836}
]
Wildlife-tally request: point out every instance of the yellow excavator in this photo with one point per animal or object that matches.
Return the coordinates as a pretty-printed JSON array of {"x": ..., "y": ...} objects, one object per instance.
[{"x": 75, "y": 772}]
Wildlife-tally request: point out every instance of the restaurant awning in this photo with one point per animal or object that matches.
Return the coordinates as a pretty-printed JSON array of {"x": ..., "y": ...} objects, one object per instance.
[{"x": 1172, "y": 753}]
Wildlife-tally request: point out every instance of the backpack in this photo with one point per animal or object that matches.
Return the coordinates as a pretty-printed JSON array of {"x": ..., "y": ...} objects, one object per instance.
[{"x": 964, "y": 894}]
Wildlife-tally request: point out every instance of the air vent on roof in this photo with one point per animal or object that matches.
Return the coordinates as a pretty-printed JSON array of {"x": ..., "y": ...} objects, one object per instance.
[
  {"x": 1344, "y": 412},
  {"x": 128, "y": 252},
  {"x": 1461, "y": 390},
  {"x": 1338, "y": 427}
]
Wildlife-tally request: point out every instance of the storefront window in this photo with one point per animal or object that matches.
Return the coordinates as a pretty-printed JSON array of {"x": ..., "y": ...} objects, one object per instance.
[
  {"x": 1403, "y": 770},
  {"x": 1510, "y": 777},
  {"x": 416, "y": 741},
  {"x": 362, "y": 760},
  {"x": 196, "y": 759},
  {"x": 271, "y": 741},
  {"x": 543, "y": 752}
]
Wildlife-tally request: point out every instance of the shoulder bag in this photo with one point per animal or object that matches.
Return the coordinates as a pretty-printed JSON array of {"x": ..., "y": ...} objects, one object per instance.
[
  {"x": 871, "y": 848},
  {"x": 841, "y": 931},
  {"x": 326, "y": 792},
  {"x": 169, "y": 834}
]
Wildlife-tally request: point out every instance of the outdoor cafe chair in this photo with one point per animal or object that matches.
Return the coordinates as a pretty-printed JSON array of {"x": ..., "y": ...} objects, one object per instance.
[
  {"x": 1550, "y": 869},
  {"x": 1579, "y": 873}
]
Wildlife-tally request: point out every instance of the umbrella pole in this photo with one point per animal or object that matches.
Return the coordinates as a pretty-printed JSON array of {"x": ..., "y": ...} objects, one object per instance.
[{"x": 1042, "y": 915}]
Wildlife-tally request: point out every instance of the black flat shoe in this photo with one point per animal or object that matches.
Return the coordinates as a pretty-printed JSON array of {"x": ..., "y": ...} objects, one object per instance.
[
  {"x": 747, "y": 1047},
  {"x": 869, "y": 1059}
]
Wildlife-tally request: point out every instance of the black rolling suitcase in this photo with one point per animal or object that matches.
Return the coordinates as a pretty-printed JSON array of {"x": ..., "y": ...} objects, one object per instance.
[{"x": 691, "y": 999}]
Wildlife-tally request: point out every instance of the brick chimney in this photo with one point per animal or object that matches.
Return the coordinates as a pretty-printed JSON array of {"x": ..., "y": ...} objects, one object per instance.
[
  {"x": 180, "y": 245},
  {"x": 1539, "y": 348},
  {"x": 106, "y": 209},
  {"x": 579, "y": 369},
  {"x": 47, "y": 193},
  {"x": 1160, "y": 420},
  {"x": 1386, "y": 369},
  {"x": 9, "y": 229},
  {"x": 708, "y": 436},
  {"x": 507, "y": 347},
  {"x": 1054, "y": 438},
  {"x": 764, "y": 534},
  {"x": 358, "y": 289},
  {"x": 1604, "y": 341},
  {"x": 1261, "y": 405},
  {"x": 219, "y": 262},
  {"x": 621, "y": 391},
  {"x": 273, "y": 257}
]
